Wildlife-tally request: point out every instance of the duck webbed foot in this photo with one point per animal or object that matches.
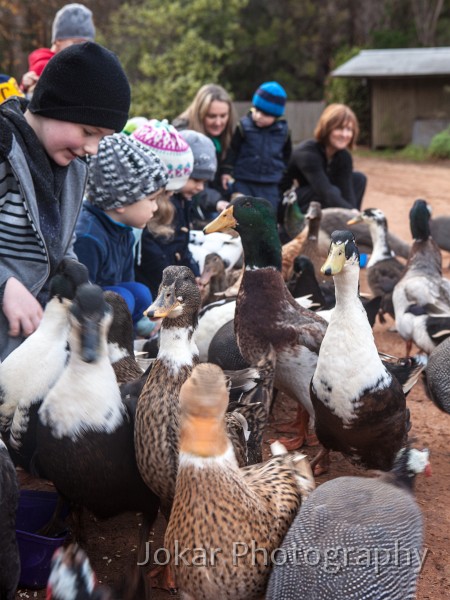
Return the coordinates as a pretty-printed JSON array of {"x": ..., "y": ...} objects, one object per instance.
[{"x": 320, "y": 464}]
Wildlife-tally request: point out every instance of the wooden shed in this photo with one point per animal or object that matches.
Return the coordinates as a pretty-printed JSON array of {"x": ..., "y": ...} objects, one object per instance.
[{"x": 409, "y": 91}]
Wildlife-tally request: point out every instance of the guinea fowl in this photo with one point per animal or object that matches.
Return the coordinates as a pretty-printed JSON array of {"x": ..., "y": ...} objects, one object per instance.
[
  {"x": 360, "y": 407},
  {"x": 383, "y": 269},
  {"x": 221, "y": 508},
  {"x": 437, "y": 376},
  {"x": 29, "y": 372},
  {"x": 85, "y": 435},
  {"x": 354, "y": 538},
  {"x": 269, "y": 323},
  {"x": 9, "y": 551}
]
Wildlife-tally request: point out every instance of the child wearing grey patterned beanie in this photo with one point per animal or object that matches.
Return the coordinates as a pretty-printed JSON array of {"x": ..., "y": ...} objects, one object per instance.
[
  {"x": 123, "y": 172},
  {"x": 124, "y": 181},
  {"x": 73, "y": 21}
]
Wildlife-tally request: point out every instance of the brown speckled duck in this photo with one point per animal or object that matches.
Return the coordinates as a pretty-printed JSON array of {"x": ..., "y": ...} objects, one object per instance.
[
  {"x": 360, "y": 407},
  {"x": 224, "y": 510}
]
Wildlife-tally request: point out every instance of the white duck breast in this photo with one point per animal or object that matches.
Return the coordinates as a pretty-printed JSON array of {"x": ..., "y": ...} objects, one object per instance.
[
  {"x": 355, "y": 365},
  {"x": 80, "y": 401},
  {"x": 177, "y": 348}
]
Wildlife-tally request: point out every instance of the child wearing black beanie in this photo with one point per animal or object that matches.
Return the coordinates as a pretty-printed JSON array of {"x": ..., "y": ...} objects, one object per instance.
[{"x": 82, "y": 95}]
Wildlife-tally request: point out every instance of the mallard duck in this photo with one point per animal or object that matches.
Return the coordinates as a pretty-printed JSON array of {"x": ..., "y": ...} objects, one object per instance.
[
  {"x": 9, "y": 551},
  {"x": 360, "y": 407},
  {"x": 120, "y": 340},
  {"x": 293, "y": 218},
  {"x": 422, "y": 290},
  {"x": 268, "y": 321},
  {"x": 30, "y": 371},
  {"x": 223, "y": 512},
  {"x": 383, "y": 269},
  {"x": 85, "y": 435},
  {"x": 347, "y": 522}
]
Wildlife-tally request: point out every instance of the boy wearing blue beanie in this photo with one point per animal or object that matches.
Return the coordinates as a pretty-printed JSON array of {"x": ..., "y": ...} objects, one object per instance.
[
  {"x": 82, "y": 96},
  {"x": 261, "y": 147}
]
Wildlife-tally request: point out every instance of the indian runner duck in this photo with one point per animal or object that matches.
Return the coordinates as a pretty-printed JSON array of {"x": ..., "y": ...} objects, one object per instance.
[
  {"x": 360, "y": 407},
  {"x": 157, "y": 411},
  {"x": 9, "y": 551},
  {"x": 422, "y": 289},
  {"x": 268, "y": 321},
  {"x": 337, "y": 218},
  {"x": 229, "y": 519},
  {"x": 85, "y": 434},
  {"x": 30, "y": 370},
  {"x": 121, "y": 340},
  {"x": 344, "y": 526},
  {"x": 383, "y": 269}
]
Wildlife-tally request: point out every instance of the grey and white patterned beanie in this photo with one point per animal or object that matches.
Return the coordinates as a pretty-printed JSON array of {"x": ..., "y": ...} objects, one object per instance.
[
  {"x": 205, "y": 157},
  {"x": 123, "y": 172}
]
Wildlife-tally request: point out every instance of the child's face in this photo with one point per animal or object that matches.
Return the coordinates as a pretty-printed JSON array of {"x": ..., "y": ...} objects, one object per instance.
[
  {"x": 262, "y": 119},
  {"x": 192, "y": 187},
  {"x": 64, "y": 141},
  {"x": 139, "y": 213}
]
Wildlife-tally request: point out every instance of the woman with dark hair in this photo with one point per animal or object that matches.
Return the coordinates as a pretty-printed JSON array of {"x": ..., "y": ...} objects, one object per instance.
[
  {"x": 323, "y": 167},
  {"x": 212, "y": 113}
]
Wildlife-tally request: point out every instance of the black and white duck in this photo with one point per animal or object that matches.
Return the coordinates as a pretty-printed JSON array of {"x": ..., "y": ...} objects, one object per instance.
[
  {"x": 9, "y": 551},
  {"x": 360, "y": 406},
  {"x": 383, "y": 269},
  {"x": 422, "y": 291},
  {"x": 28, "y": 373},
  {"x": 268, "y": 322},
  {"x": 85, "y": 434}
]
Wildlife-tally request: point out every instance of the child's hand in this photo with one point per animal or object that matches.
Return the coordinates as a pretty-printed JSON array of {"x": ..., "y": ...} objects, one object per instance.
[
  {"x": 23, "y": 311},
  {"x": 226, "y": 179}
]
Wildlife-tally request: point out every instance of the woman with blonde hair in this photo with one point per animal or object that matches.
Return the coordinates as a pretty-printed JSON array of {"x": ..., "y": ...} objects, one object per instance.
[
  {"x": 212, "y": 113},
  {"x": 323, "y": 166}
]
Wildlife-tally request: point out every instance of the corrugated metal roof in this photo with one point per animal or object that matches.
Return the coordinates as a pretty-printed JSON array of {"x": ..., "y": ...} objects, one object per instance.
[{"x": 402, "y": 62}]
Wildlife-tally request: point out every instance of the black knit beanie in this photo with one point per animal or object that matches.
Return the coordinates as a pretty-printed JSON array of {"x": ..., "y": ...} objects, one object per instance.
[{"x": 84, "y": 83}]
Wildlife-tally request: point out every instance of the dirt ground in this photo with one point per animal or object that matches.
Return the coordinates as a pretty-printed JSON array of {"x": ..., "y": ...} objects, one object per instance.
[{"x": 392, "y": 187}]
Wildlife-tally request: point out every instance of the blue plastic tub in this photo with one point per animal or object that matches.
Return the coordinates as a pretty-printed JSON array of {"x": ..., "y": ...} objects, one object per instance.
[{"x": 34, "y": 511}]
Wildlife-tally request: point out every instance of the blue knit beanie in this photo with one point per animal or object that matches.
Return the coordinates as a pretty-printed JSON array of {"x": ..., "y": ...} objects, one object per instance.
[{"x": 270, "y": 98}]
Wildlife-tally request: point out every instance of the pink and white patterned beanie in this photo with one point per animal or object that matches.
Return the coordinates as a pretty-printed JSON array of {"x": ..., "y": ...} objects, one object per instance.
[{"x": 172, "y": 149}]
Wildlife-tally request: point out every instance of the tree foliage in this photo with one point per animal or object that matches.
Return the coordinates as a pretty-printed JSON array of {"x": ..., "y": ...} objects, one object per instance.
[{"x": 170, "y": 48}]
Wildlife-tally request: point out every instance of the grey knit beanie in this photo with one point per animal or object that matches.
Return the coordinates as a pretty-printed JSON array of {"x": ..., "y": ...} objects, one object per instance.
[
  {"x": 123, "y": 172},
  {"x": 205, "y": 158},
  {"x": 73, "y": 21}
]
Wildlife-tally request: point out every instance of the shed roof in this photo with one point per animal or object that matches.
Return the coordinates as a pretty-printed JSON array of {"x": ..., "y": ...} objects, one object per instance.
[{"x": 401, "y": 62}]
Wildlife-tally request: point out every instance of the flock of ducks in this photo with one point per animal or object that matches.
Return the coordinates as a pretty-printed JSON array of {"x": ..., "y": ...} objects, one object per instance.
[{"x": 185, "y": 437}]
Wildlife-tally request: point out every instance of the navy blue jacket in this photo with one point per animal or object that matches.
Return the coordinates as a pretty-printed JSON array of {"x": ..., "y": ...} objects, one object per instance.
[
  {"x": 258, "y": 154},
  {"x": 104, "y": 246},
  {"x": 156, "y": 253}
]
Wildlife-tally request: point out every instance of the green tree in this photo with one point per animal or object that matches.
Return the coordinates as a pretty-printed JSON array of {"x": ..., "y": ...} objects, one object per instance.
[{"x": 170, "y": 49}]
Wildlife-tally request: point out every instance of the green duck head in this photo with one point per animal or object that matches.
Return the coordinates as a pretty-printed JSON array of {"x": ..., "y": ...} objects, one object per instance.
[
  {"x": 419, "y": 220},
  {"x": 255, "y": 221}
]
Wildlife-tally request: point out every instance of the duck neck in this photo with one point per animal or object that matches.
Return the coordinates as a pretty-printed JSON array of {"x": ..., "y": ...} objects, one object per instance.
[
  {"x": 347, "y": 286},
  {"x": 381, "y": 250},
  {"x": 176, "y": 345},
  {"x": 204, "y": 437},
  {"x": 262, "y": 249}
]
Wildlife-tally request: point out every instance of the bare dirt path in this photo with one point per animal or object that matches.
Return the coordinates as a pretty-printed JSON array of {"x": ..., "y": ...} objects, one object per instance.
[{"x": 392, "y": 187}]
